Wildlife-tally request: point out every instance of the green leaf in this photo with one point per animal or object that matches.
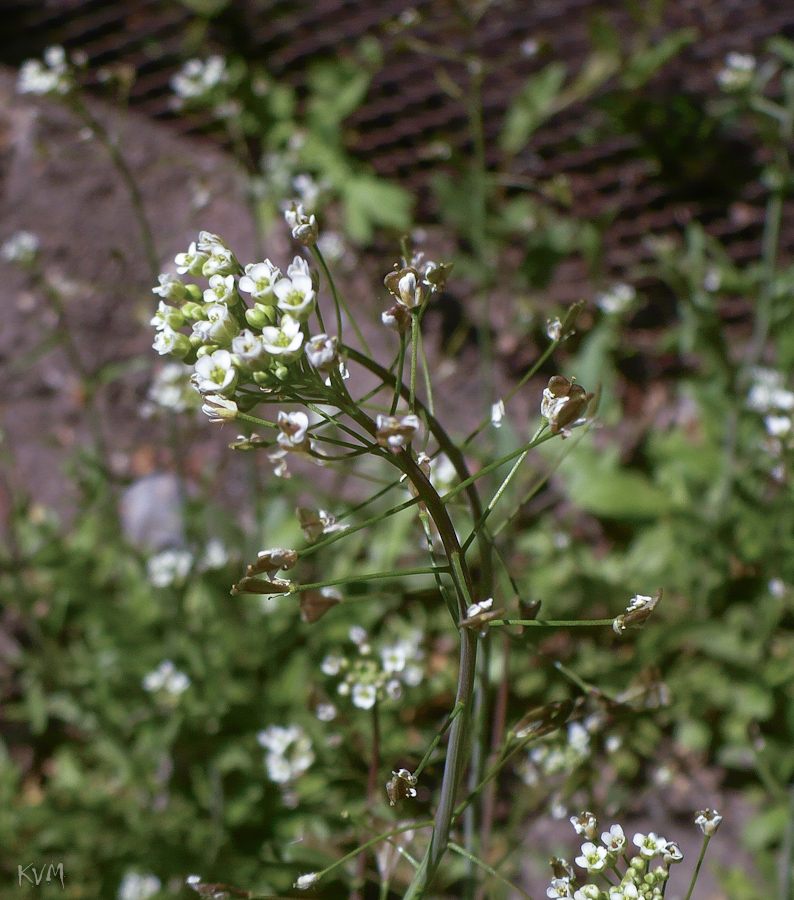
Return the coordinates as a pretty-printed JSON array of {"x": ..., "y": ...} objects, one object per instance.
[
  {"x": 369, "y": 202},
  {"x": 533, "y": 105}
]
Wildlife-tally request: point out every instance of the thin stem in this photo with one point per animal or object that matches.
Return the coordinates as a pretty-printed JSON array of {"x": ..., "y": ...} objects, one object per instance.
[
  {"x": 339, "y": 301},
  {"x": 414, "y": 358},
  {"x": 426, "y": 372},
  {"x": 553, "y": 623},
  {"x": 706, "y": 839},
  {"x": 370, "y": 576},
  {"x": 456, "y": 710},
  {"x": 399, "y": 379}
]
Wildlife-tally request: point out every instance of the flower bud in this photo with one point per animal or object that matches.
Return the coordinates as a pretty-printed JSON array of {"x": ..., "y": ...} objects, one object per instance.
[
  {"x": 709, "y": 821},
  {"x": 401, "y": 786}
]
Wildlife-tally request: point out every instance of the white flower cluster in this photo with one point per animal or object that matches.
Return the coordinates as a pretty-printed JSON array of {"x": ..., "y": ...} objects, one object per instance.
[
  {"x": 52, "y": 76},
  {"x": 233, "y": 343},
  {"x": 372, "y": 676},
  {"x": 737, "y": 73},
  {"x": 135, "y": 886},
  {"x": 555, "y": 757},
  {"x": 639, "y": 881},
  {"x": 169, "y": 567},
  {"x": 166, "y": 677},
  {"x": 170, "y": 389},
  {"x": 21, "y": 248},
  {"x": 197, "y": 78},
  {"x": 770, "y": 397},
  {"x": 289, "y": 752}
]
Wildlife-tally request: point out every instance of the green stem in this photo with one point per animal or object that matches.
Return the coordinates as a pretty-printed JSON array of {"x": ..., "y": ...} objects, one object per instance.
[
  {"x": 456, "y": 709},
  {"x": 371, "y": 576},
  {"x": 339, "y": 301},
  {"x": 399, "y": 378},
  {"x": 414, "y": 359},
  {"x": 706, "y": 839}
]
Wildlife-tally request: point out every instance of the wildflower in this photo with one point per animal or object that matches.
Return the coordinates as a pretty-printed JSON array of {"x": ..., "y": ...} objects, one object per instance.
[
  {"x": 554, "y": 329},
  {"x": 306, "y": 881},
  {"x": 326, "y": 712},
  {"x": 395, "y": 433},
  {"x": 221, "y": 261},
  {"x": 593, "y": 858},
  {"x": 290, "y": 752},
  {"x": 295, "y": 296},
  {"x": 258, "y": 281},
  {"x": 322, "y": 353},
  {"x": 559, "y": 887},
  {"x": 637, "y": 612},
  {"x": 166, "y": 677},
  {"x": 617, "y": 299},
  {"x": 293, "y": 428},
  {"x": 585, "y": 824},
  {"x": 135, "y": 886},
  {"x": 197, "y": 78},
  {"x": 216, "y": 556},
  {"x": 393, "y": 659},
  {"x": 649, "y": 845},
  {"x": 21, "y": 248},
  {"x": 192, "y": 262},
  {"x": 168, "y": 342},
  {"x": 497, "y": 413},
  {"x": 285, "y": 340},
  {"x": 411, "y": 292},
  {"x": 221, "y": 290},
  {"x": 169, "y": 567},
  {"x": 215, "y": 374},
  {"x": 332, "y": 665},
  {"x": 53, "y": 76},
  {"x": 563, "y": 404},
  {"x": 778, "y": 426},
  {"x": 170, "y": 288},
  {"x": 578, "y": 738},
  {"x": 614, "y": 839},
  {"x": 672, "y": 853},
  {"x": 587, "y": 892},
  {"x": 170, "y": 389},
  {"x": 304, "y": 228},
  {"x": 401, "y": 786},
  {"x": 269, "y": 561},
  {"x": 397, "y": 318},
  {"x": 708, "y": 821},
  {"x": 249, "y": 349},
  {"x": 219, "y": 409},
  {"x": 737, "y": 73},
  {"x": 364, "y": 695},
  {"x": 167, "y": 317}
]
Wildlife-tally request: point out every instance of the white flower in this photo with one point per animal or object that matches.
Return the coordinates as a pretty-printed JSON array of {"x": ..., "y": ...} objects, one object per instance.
[
  {"x": 197, "y": 78},
  {"x": 20, "y": 248},
  {"x": 672, "y": 853},
  {"x": 326, "y": 712},
  {"x": 249, "y": 348},
  {"x": 477, "y": 609},
  {"x": 293, "y": 428},
  {"x": 304, "y": 228},
  {"x": 392, "y": 659},
  {"x": 321, "y": 351},
  {"x": 357, "y": 635},
  {"x": 578, "y": 738},
  {"x": 220, "y": 327},
  {"x": 170, "y": 288},
  {"x": 396, "y": 432},
  {"x": 135, "y": 886},
  {"x": 258, "y": 281},
  {"x": 614, "y": 839},
  {"x": 169, "y": 567},
  {"x": 554, "y": 329},
  {"x": 617, "y": 299},
  {"x": 166, "y": 677},
  {"x": 290, "y": 752},
  {"x": 777, "y": 587},
  {"x": 394, "y": 690},
  {"x": 411, "y": 292},
  {"x": 53, "y": 76},
  {"x": 192, "y": 262},
  {"x": 306, "y": 881},
  {"x": 285, "y": 340},
  {"x": 215, "y": 373},
  {"x": 559, "y": 887},
  {"x": 585, "y": 823},
  {"x": 332, "y": 665},
  {"x": 221, "y": 289},
  {"x": 295, "y": 296},
  {"x": 737, "y": 73},
  {"x": 593, "y": 858},
  {"x": 219, "y": 409},
  {"x": 778, "y": 426},
  {"x": 171, "y": 343},
  {"x": 215, "y": 555},
  {"x": 412, "y": 675},
  {"x": 649, "y": 845},
  {"x": 497, "y": 413},
  {"x": 364, "y": 695},
  {"x": 708, "y": 821},
  {"x": 167, "y": 317}
]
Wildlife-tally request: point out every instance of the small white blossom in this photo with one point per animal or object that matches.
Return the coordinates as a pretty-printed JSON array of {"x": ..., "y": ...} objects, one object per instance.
[
  {"x": 293, "y": 428},
  {"x": 249, "y": 348},
  {"x": 21, "y": 248},
  {"x": 393, "y": 659},
  {"x": 559, "y": 887},
  {"x": 396, "y": 432},
  {"x": 135, "y": 886},
  {"x": 585, "y": 823},
  {"x": 258, "y": 281},
  {"x": 306, "y": 881},
  {"x": 614, "y": 839},
  {"x": 497, "y": 413},
  {"x": 168, "y": 342},
  {"x": 326, "y": 712},
  {"x": 167, "y": 317},
  {"x": 220, "y": 327},
  {"x": 197, "y": 78},
  {"x": 295, "y": 296},
  {"x": 290, "y": 752},
  {"x": 219, "y": 409},
  {"x": 285, "y": 340},
  {"x": 192, "y": 262},
  {"x": 332, "y": 665},
  {"x": 169, "y": 567},
  {"x": 221, "y": 290},
  {"x": 53, "y": 76},
  {"x": 364, "y": 695},
  {"x": 593, "y": 858},
  {"x": 649, "y": 845},
  {"x": 304, "y": 228},
  {"x": 708, "y": 820},
  {"x": 166, "y": 677},
  {"x": 617, "y": 299},
  {"x": 778, "y": 426},
  {"x": 215, "y": 555},
  {"x": 322, "y": 353},
  {"x": 737, "y": 73},
  {"x": 215, "y": 374},
  {"x": 170, "y": 288}
]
